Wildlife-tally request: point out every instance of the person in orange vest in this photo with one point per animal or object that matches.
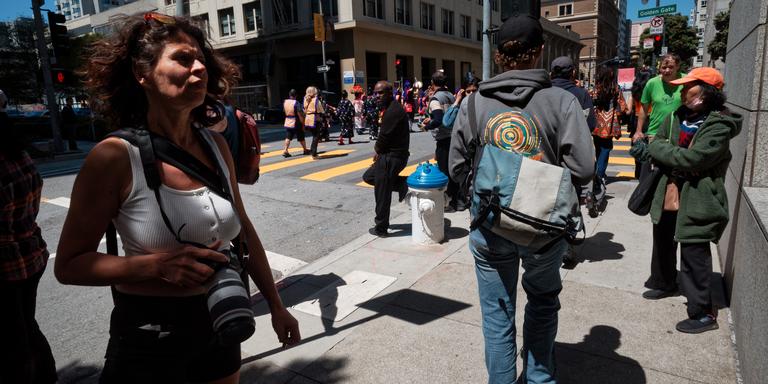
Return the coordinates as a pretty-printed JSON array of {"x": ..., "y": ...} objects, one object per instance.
[
  {"x": 294, "y": 123},
  {"x": 313, "y": 112}
]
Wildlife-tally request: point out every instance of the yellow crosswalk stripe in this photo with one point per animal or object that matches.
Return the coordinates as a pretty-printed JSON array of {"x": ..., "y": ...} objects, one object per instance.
[
  {"x": 338, "y": 171},
  {"x": 622, "y": 147},
  {"x": 629, "y": 174},
  {"x": 303, "y": 160},
  {"x": 621, "y": 161},
  {"x": 624, "y": 140},
  {"x": 364, "y": 184},
  {"x": 267, "y": 155}
]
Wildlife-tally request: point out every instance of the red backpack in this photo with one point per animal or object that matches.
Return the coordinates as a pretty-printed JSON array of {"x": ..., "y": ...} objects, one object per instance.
[{"x": 249, "y": 154}]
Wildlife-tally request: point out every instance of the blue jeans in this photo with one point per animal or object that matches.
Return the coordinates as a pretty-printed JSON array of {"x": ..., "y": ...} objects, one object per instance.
[
  {"x": 496, "y": 264},
  {"x": 603, "y": 149}
]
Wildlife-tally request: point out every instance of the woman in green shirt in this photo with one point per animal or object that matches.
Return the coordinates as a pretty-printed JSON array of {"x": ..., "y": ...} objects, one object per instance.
[{"x": 659, "y": 96}]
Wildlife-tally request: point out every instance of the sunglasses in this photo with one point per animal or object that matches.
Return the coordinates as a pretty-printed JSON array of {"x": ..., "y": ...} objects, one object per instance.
[{"x": 159, "y": 17}]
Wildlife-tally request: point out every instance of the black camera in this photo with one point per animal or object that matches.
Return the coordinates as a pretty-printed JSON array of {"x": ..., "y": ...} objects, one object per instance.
[{"x": 229, "y": 302}]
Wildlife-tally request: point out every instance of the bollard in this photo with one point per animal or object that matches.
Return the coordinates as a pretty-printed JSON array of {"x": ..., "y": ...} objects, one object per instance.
[{"x": 426, "y": 187}]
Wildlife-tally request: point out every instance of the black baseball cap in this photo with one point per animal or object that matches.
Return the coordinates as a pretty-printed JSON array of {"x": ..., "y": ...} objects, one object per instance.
[
  {"x": 562, "y": 63},
  {"x": 523, "y": 28}
]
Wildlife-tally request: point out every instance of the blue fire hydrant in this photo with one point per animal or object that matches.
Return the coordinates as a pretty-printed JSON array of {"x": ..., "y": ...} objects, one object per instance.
[{"x": 426, "y": 188}]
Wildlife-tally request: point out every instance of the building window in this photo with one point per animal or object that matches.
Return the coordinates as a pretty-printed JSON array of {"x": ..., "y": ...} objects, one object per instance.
[
  {"x": 201, "y": 21},
  {"x": 546, "y": 14},
  {"x": 170, "y": 2},
  {"x": 252, "y": 14},
  {"x": 330, "y": 7},
  {"x": 227, "y": 22},
  {"x": 373, "y": 8},
  {"x": 403, "y": 12},
  {"x": 286, "y": 12},
  {"x": 447, "y": 21},
  {"x": 565, "y": 10},
  {"x": 703, "y": 3},
  {"x": 428, "y": 16},
  {"x": 466, "y": 26},
  {"x": 479, "y": 30}
]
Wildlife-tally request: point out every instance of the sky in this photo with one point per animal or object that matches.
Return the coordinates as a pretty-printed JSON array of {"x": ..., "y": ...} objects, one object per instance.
[{"x": 10, "y": 9}]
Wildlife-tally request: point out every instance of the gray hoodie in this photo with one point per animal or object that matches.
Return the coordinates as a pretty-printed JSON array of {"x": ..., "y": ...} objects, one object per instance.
[{"x": 557, "y": 117}]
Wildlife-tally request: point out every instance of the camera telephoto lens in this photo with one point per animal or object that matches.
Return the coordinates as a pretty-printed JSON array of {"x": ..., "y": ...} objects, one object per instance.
[{"x": 229, "y": 305}]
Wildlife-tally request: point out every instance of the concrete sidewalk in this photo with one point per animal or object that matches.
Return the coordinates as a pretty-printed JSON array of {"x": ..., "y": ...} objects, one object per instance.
[{"x": 424, "y": 323}]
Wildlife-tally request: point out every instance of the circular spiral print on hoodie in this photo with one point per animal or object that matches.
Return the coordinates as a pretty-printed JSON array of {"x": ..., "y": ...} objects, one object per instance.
[{"x": 514, "y": 131}]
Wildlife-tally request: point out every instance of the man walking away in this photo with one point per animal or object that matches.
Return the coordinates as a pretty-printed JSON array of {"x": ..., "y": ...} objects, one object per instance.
[
  {"x": 441, "y": 100},
  {"x": 69, "y": 120},
  {"x": 563, "y": 74},
  {"x": 551, "y": 128},
  {"x": 390, "y": 158}
]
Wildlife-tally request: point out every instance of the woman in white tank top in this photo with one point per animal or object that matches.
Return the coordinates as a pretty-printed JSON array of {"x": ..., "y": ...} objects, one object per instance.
[{"x": 155, "y": 72}]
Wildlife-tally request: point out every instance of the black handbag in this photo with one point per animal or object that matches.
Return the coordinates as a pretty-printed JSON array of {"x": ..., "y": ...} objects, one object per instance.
[{"x": 642, "y": 197}]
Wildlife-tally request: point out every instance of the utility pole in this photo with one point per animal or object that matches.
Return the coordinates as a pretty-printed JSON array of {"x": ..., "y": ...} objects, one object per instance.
[
  {"x": 325, "y": 74},
  {"x": 486, "y": 39},
  {"x": 45, "y": 66}
]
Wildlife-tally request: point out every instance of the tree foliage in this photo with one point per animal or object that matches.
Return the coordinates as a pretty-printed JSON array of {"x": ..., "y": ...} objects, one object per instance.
[
  {"x": 19, "y": 69},
  {"x": 680, "y": 39},
  {"x": 719, "y": 45}
]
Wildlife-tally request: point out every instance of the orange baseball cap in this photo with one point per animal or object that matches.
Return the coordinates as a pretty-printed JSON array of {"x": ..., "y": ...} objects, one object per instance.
[{"x": 708, "y": 75}]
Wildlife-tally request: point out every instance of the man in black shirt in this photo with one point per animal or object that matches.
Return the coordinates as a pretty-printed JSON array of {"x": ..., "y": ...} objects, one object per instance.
[{"x": 390, "y": 158}]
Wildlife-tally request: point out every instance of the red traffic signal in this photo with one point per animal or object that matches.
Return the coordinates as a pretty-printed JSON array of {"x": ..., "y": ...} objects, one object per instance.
[
  {"x": 657, "y": 38},
  {"x": 60, "y": 77},
  {"x": 397, "y": 61}
]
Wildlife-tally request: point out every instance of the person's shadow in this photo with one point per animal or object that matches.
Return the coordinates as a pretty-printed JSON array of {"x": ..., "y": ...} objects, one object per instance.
[
  {"x": 600, "y": 247},
  {"x": 594, "y": 360}
]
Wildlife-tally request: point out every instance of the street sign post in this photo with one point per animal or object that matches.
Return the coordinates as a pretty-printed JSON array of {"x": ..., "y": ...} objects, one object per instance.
[
  {"x": 657, "y": 25},
  {"x": 323, "y": 68},
  {"x": 664, "y": 51},
  {"x": 650, "y": 12},
  {"x": 647, "y": 43}
]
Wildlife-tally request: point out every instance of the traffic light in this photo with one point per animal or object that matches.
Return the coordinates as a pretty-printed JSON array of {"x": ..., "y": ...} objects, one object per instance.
[
  {"x": 59, "y": 36},
  {"x": 398, "y": 68},
  {"x": 657, "y": 44},
  {"x": 62, "y": 77}
]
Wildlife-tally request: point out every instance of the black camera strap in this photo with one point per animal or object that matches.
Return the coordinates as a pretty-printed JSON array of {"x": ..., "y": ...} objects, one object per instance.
[{"x": 154, "y": 147}]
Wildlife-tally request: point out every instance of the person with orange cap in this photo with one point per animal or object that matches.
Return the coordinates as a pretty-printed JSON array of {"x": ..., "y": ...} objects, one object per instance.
[{"x": 690, "y": 206}]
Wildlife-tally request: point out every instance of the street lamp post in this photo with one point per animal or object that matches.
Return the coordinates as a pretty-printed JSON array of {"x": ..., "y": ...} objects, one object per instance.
[
  {"x": 325, "y": 74},
  {"x": 589, "y": 71}
]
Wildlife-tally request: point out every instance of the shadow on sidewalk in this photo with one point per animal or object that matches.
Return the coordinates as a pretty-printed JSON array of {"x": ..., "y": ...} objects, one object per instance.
[
  {"x": 263, "y": 373},
  {"x": 77, "y": 372},
  {"x": 430, "y": 307},
  {"x": 600, "y": 247},
  {"x": 594, "y": 360}
]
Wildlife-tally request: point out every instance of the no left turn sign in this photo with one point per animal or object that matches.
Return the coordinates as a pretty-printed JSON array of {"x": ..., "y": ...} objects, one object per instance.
[{"x": 657, "y": 25}]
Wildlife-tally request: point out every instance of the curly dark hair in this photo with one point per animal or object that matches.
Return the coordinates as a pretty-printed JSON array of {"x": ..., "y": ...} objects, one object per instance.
[
  {"x": 135, "y": 48},
  {"x": 641, "y": 78},
  {"x": 713, "y": 98},
  {"x": 513, "y": 53}
]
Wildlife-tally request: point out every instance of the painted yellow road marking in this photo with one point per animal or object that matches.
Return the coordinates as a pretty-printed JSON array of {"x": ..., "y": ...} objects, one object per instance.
[
  {"x": 622, "y": 161},
  {"x": 267, "y": 155},
  {"x": 624, "y": 140},
  {"x": 338, "y": 171},
  {"x": 622, "y": 147},
  {"x": 303, "y": 160},
  {"x": 628, "y": 174}
]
